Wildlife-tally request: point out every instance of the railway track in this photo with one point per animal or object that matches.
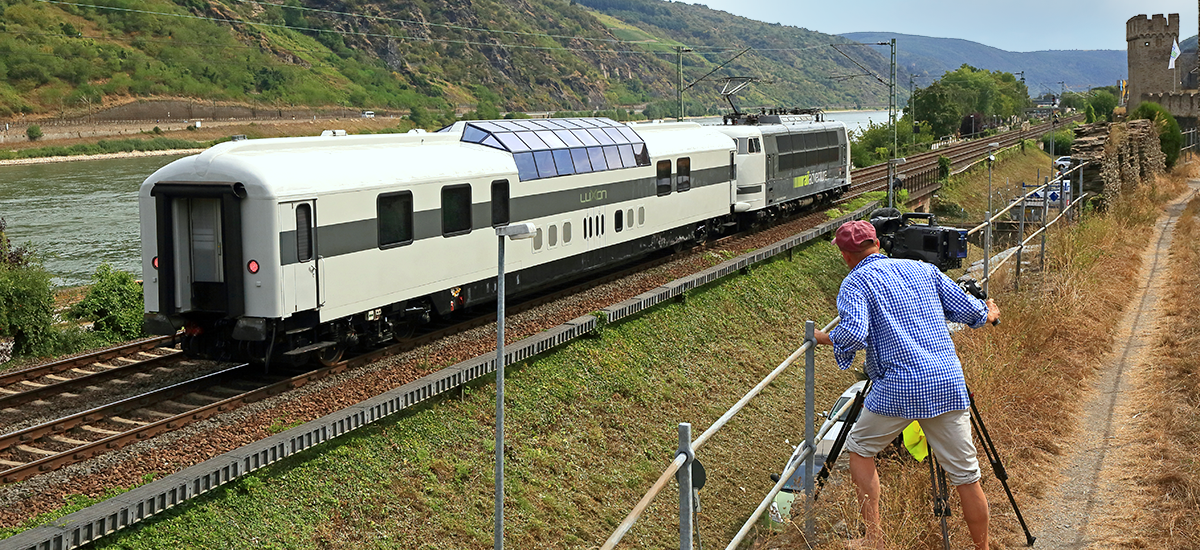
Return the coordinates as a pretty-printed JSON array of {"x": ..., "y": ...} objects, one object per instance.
[
  {"x": 78, "y": 437},
  {"x": 68, "y": 377},
  {"x": 921, "y": 169}
]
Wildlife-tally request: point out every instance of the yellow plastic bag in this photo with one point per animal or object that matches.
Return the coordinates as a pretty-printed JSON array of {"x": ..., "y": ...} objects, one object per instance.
[{"x": 914, "y": 441}]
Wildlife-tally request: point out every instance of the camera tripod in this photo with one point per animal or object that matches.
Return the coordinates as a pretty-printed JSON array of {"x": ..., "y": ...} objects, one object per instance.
[
  {"x": 937, "y": 476},
  {"x": 940, "y": 489}
]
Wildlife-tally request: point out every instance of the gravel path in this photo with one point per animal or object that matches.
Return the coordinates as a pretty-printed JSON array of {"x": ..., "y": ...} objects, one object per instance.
[{"x": 1097, "y": 494}]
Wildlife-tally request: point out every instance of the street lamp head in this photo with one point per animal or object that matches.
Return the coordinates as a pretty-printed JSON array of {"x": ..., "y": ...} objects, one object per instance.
[
  {"x": 516, "y": 231},
  {"x": 994, "y": 145},
  {"x": 900, "y": 160}
]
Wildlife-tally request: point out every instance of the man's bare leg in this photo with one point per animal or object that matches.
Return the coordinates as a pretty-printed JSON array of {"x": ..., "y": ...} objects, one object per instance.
[
  {"x": 975, "y": 512},
  {"x": 866, "y": 478}
]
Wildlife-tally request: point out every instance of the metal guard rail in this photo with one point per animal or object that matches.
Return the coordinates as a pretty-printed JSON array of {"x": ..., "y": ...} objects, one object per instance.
[{"x": 667, "y": 474}]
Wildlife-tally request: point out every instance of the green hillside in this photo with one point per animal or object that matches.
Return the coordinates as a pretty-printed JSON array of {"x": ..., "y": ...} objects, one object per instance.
[{"x": 73, "y": 57}]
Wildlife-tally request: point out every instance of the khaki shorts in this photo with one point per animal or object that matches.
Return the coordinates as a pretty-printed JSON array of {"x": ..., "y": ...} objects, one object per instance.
[{"x": 948, "y": 434}]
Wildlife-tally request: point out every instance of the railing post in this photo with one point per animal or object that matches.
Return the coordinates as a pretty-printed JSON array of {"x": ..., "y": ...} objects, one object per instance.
[
  {"x": 809, "y": 404},
  {"x": 1020, "y": 241},
  {"x": 1045, "y": 225},
  {"x": 684, "y": 476}
]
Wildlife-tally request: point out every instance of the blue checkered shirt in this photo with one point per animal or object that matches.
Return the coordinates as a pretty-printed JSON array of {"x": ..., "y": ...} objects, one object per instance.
[{"x": 897, "y": 310}]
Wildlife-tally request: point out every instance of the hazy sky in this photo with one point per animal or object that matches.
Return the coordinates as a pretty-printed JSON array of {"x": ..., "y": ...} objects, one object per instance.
[{"x": 1014, "y": 25}]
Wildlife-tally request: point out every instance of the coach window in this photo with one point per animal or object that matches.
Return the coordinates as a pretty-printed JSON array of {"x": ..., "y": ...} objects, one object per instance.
[
  {"x": 395, "y": 213},
  {"x": 664, "y": 178},
  {"x": 755, "y": 145},
  {"x": 499, "y": 202},
  {"x": 304, "y": 232},
  {"x": 566, "y": 232},
  {"x": 683, "y": 180},
  {"x": 553, "y": 235},
  {"x": 629, "y": 218},
  {"x": 537, "y": 240},
  {"x": 641, "y": 216},
  {"x": 618, "y": 220},
  {"x": 456, "y": 210}
]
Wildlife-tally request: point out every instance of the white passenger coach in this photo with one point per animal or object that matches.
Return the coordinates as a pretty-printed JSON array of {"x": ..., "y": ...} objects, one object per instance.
[{"x": 285, "y": 249}]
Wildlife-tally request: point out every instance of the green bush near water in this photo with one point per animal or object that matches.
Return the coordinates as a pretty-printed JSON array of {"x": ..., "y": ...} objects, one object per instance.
[{"x": 113, "y": 304}]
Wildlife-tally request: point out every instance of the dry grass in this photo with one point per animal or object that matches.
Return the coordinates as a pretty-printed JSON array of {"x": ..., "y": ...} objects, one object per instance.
[
  {"x": 1170, "y": 472},
  {"x": 1028, "y": 375}
]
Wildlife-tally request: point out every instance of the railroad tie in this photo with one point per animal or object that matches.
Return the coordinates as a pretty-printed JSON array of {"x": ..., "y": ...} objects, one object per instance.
[
  {"x": 102, "y": 431},
  {"x": 58, "y": 378},
  {"x": 202, "y": 397},
  {"x": 6, "y": 391},
  {"x": 127, "y": 421},
  {"x": 103, "y": 366},
  {"x": 177, "y": 405},
  {"x": 32, "y": 384},
  {"x": 10, "y": 464},
  {"x": 67, "y": 440},
  {"x": 36, "y": 451},
  {"x": 154, "y": 413}
]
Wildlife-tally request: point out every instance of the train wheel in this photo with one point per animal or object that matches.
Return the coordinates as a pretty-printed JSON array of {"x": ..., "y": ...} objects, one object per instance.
[{"x": 331, "y": 355}]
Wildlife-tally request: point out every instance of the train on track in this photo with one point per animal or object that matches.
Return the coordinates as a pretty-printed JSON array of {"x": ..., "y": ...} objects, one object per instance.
[{"x": 291, "y": 249}]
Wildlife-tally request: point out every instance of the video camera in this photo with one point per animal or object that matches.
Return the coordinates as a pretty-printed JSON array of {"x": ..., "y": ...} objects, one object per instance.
[{"x": 944, "y": 247}]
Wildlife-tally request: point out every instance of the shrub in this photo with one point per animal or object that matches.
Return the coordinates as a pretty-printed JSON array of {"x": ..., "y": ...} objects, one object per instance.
[
  {"x": 27, "y": 308},
  {"x": 1169, "y": 136},
  {"x": 33, "y": 132},
  {"x": 113, "y": 304},
  {"x": 943, "y": 167}
]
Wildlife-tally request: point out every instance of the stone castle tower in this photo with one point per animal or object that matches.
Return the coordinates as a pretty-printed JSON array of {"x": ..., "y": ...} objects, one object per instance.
[{"x": 1149, "y": 42}]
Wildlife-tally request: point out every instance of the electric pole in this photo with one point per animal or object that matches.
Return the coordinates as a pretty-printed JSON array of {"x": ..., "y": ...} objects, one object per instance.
[
  {"x": 892, "y": 118},
  {"x": 680, "y": 50}
]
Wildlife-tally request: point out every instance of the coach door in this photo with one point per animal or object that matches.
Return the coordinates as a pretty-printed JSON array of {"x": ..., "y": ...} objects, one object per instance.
[{"x": 298, "y": 256}]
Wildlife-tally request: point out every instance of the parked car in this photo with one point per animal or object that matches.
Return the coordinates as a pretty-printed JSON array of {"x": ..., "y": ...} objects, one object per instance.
[{"x": 1062, "y": 163}]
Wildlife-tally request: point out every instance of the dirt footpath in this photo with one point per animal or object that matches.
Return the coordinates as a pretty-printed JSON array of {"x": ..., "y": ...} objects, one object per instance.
[{"x": 1097, "y": 496}]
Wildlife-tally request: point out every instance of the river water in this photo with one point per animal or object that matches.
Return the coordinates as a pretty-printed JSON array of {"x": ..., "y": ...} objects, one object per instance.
[{"x": 77, "y": 214}]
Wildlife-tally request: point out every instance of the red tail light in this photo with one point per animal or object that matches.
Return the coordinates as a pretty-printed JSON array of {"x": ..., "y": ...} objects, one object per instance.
[
  {"x": 252, "y": 266},
  {"x": 154, "y": 262}
]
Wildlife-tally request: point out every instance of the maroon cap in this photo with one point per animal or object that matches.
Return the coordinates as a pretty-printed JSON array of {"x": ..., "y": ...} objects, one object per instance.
[{"x": 853, "y": 236}]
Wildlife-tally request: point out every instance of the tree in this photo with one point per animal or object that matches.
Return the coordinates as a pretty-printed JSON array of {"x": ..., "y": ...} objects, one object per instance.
[
  {"x": 1103, "y": 102},
  {"x": 1090, "y": 114},
  {"x": 1169, "y": 136},
  {"x": 33, "y": 132}
]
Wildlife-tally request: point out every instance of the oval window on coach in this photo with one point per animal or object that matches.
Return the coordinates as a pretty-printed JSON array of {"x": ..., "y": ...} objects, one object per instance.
[
  {"x": 456, "y": 210},
  {"x": 395, "y": 214}
]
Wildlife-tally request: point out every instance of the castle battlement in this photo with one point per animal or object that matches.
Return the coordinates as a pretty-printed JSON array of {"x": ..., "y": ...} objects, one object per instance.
[{"x": 1143, "y": 27}]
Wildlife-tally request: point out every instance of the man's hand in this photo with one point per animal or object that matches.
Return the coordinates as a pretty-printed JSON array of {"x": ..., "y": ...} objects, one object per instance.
[
  {"x": 822, "y": 337},
  {"x": 993, "y": 312}
]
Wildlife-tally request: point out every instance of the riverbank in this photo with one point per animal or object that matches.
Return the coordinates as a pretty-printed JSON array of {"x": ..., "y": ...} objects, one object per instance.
[{"x": 102, "y": 156}]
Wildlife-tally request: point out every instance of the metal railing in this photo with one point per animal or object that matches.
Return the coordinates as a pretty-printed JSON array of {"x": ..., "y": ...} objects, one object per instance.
[{"x": 681, "y": 466}]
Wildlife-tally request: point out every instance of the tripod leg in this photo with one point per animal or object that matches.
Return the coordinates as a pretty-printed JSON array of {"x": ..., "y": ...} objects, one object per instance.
[
  {"x": 993, "y": 457},
  {"x": 941, "y": 506}
]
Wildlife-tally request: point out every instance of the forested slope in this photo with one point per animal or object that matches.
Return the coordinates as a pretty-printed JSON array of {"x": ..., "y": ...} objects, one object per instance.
[{"x": 72, "y": 57}]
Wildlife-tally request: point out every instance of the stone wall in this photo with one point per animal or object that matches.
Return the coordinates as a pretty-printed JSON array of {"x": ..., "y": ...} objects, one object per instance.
[{"x": 1122, "y": 157}]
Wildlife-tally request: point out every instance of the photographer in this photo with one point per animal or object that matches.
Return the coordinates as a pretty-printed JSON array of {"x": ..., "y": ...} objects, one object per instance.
[{"x": 897, "y": 311}]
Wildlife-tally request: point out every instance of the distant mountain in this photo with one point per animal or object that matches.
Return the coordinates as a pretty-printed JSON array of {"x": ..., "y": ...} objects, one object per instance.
[{"x": 1044, "y": 70}]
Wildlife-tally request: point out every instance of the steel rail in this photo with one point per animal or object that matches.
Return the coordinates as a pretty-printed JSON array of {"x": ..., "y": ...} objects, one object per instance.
[{"x": 667, "y": 474}]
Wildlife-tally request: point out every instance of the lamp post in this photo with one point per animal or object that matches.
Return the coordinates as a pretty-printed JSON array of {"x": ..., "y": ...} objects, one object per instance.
[
  {"x": 987, "y": 231},
  {"x": 892, "y": 163},
  {"x": 513, "y": 231}
]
